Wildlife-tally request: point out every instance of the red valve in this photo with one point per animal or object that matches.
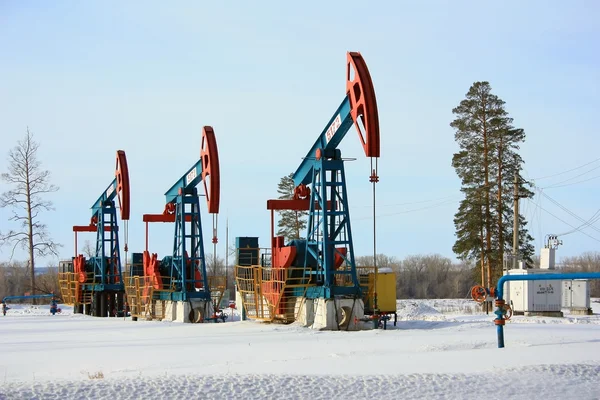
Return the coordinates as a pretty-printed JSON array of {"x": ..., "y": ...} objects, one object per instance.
[
  {"x": 478, "y": 293},
  {"x": 508, "y": 312}
]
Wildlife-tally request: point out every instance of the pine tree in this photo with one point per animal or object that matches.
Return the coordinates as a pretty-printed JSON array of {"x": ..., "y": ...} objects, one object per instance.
[
  {"x": 291, "y": 223},
  {"x": 486, "y": 164}
]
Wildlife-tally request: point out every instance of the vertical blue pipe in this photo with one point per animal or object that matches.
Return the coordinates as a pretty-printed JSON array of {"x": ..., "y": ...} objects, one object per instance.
[
  {"x": 538, "y": 277},
  {"x": 500, "y": 332}
]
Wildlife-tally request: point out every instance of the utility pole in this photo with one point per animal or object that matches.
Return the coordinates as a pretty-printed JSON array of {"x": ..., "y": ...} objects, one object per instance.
[{"x": 515, "y": 249}]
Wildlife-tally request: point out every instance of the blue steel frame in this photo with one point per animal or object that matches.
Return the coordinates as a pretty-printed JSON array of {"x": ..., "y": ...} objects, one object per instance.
[
  {"x": 187, "y": 238},
  {"x": 108, "y": 250},
  {"x": 328, "y": 228}
]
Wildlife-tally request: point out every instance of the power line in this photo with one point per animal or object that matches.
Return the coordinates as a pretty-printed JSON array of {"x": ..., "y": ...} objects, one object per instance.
[
  {"x": 568, "y": 211},
  {"x": 567, "y": 171},
  {"x": 407, "y": 211},
  {"x": 410, "y": 203},
  {"x": 564, "y": 222},
  {"x": 593, "y": 219},
  {"x": 574, "y": 183}
]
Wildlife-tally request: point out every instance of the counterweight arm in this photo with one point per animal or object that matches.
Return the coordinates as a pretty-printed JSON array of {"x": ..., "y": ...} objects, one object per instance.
[
  {"x": 358, "y": 107},
  {"x": 119, "y": 188},
  {"x": 206, "y": 170}
]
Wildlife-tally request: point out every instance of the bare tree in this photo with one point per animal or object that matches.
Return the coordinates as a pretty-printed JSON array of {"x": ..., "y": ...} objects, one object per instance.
[
  {"x": 215, "y": 266},
  {"x": 13, "y": 277},
  {"x": 29, "y": 183},
  {"x": 88, "y": 250},
  {"x": 383, "y": 261},
  {"x": 47, "y": 283}
]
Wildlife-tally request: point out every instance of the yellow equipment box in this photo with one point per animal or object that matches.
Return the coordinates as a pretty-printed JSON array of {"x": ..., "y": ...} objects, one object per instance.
[{"x": 386, "y": 292}]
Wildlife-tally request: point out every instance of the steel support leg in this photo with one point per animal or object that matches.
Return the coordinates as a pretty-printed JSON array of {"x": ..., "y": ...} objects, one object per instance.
[
  {"x": 103, "y": 304},
  {"x": 120, "y": 310},
  {"x": 112, "y": 304}
]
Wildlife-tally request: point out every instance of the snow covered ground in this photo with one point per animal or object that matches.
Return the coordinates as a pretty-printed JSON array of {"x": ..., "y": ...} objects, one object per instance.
[{"x": 439, "y": 349}]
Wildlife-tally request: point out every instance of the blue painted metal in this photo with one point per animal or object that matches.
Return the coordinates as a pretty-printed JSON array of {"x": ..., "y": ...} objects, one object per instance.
[
  {"x": 538, "y": 277},
  {"x": 188, "y": 247},
  {"x": 25, "y": 297},
  {"x": 336, "y": 129},
  {"x": 328, "y": 229},
  {"x": 100, "y": 287},
  {"x": 247, "y": 251},
  {"x": 191, "y": 178},
  {"x": 108, "y": 195},
  {"x": 542, "y": 277},
  {"x": 188, "y": 244},
  {"x": 53, "y": 306},
  {"x": 500, "y": 334},
  {"x": 106, "y": 264}
]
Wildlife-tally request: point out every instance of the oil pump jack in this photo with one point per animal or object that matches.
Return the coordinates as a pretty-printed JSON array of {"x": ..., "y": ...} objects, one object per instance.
[
  {"x": 180, "y": 281},
  {"x": 98, "y": 282},
  {"x": 327, "y": 253}
]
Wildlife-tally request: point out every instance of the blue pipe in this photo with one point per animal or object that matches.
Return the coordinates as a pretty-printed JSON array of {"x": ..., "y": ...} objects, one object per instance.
[
  {"x": 500, "y": 334},
  {"x": 32, "y": 296},
  {"x": 499, "y": 321}
]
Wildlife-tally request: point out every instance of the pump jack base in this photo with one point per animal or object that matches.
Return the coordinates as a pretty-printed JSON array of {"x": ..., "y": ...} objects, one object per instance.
[
  {"x": 339, "y": 314},
  {"x": 192, "y": 311}
]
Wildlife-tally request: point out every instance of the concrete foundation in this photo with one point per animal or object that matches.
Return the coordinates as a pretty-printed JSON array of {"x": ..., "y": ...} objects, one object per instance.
[
  {"x": 557, "y": 314},
  {"x": 239, "y": 305},
  {"x": 193, "y": 311},
  {"x": 170, "y": 310},
  {"x": 582, "y": 311},
  {"x": 331, "y": 314}
]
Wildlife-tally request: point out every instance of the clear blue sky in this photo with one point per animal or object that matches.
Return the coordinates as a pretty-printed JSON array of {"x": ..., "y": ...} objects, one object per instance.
[{"x": 92, "y": 77}]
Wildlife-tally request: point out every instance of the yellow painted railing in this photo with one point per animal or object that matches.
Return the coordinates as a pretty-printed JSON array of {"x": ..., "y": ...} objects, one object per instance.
[{"x": 270, "y": 294}]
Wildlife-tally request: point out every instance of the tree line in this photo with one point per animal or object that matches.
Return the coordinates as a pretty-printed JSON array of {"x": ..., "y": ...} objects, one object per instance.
[
  {"x": 15, "y": 280},
  {"x": 488, "y": 164},
  {"x": 429, "y": 276}
]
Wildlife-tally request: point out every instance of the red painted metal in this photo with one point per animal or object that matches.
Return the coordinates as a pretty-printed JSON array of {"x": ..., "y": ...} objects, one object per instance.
[
  {"x": 282, "y": 256},
  {"x": 122, "y": 175},
  {"x": 90, "y": 228},
  {"x": 197, "y": 274},
  {"x": 211, "y": 176},
  {"x": 151, "y": 269},
  {"x": 301, "y": 192},
  {"x": 162, "y": 218},
  {"x": 359, "y": 87},
  {"x": 374, "y": 178},
  {"x": 79, "y": 268},
  {"x": 339, "y": 260},
  {"x": 296, "y": 205}
]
